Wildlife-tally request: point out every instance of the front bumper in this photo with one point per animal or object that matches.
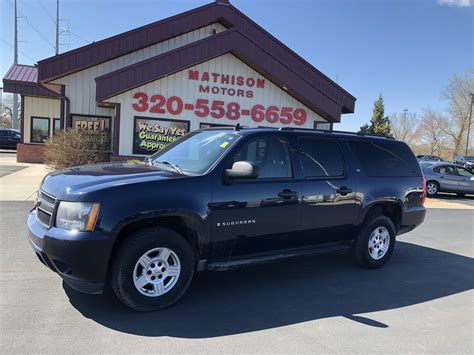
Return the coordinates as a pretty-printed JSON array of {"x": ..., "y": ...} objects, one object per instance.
[
  {"x": 411, "y": 218},
  {"x": 80, "y": 258}
]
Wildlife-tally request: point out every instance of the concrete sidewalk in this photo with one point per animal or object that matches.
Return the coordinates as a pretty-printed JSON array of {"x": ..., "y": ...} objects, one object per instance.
[{"x": 23, "y": 184}]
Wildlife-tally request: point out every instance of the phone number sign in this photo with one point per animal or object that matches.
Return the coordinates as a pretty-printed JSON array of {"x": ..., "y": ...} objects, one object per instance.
[{"x": 218, "y": 109}]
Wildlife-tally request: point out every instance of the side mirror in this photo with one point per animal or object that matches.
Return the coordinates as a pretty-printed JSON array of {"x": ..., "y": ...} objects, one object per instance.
[{"x": 242, "y": 170}]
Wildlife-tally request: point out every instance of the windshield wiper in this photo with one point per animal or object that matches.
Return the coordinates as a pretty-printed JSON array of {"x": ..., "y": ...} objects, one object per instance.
[{"x": 165, "y": 162}]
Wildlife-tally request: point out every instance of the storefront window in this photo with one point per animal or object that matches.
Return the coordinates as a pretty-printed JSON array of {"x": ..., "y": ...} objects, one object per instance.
[
  {"x": 39, "y": 129},
  {"x": 323, "y": 125},
  {"x": 56, "y": 125}
]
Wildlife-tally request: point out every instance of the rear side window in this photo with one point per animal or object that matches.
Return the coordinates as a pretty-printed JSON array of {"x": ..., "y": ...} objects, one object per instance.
[
  {"x": 386, "y": 158},
  {"x": 321, "y": 157}
]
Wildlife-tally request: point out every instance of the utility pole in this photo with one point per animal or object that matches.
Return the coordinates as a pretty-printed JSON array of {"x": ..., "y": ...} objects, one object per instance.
[
  {"x": 57, "y": 28},
  {"x": 15, "y": 61},
  {"x": 469, "y": 125}
]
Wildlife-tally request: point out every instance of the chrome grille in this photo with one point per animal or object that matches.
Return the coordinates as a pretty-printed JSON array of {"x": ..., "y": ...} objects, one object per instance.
[{"x": 45, "y": 209}]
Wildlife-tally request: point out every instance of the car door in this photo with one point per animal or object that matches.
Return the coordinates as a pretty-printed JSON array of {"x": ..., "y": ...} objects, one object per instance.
[
  {"x": 466, "y": 184},
  {"x": 13, "y": 139},
  {"x": 261, "y": 214},
  {"x": 329, "y": 200},
  {"x": 448, "y": 178},
  {"x": 3, "y": 139}
]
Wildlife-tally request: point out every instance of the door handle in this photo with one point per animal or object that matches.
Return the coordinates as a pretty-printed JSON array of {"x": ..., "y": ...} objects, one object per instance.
[
  {"x": 343, "y": 190},
  {"x": 286, "y": 193}
]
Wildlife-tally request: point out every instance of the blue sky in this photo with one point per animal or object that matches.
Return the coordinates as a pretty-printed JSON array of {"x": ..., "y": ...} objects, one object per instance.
[{"x": 404, "y": 49}]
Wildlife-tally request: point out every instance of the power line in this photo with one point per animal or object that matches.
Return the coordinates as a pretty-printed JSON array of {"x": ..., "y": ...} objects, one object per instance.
[
  {"x": 47, "y": 12},
  {"x": 8, "y": 44},
  {"x": 80, "y": 37},
  {"x": 39, "y": 32}
]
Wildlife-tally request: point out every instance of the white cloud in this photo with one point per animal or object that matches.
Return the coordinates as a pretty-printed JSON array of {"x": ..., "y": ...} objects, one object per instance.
[{"x": 456, "y": 3}]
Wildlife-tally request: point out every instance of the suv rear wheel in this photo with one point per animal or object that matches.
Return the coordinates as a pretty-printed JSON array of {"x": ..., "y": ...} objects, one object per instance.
[
  {"x": 152, "y": 269},
  {"x": 375, "y": 242}
]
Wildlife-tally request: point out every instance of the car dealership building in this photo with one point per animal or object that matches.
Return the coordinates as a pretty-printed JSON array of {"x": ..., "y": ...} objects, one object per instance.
[{"x": 210, "y": 66}]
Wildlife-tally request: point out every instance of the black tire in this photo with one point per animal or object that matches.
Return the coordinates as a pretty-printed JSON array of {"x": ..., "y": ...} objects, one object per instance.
[
  {"x": 360, "y": 249},
  {"x": 435, "y": 189},
  {"x": 128, "y": 253}
]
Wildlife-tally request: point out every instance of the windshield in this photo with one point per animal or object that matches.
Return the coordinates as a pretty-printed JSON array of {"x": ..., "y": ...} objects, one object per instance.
[
  {"x": 424, "y": 165},
  {"x": 196, "y": 152},
  {"x": 469, "y": 158}
]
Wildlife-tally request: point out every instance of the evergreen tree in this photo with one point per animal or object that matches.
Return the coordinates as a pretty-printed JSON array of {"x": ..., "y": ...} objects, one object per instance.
[{"x": 379, "y": 123}]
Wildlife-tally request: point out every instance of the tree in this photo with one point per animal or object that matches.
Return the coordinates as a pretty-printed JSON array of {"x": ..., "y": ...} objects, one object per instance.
[
  {"x": 433, "y": 125},
  {"x": 458, "y": 94},
  {"x": 406, "y": 127},
  {"x": 6, "y": 111},
  {"x": 379, "y": 123}
]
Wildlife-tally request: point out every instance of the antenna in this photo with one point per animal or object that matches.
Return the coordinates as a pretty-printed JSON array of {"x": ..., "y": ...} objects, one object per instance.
[
  {"x": 15, "y": 61},
  {"x": 56, "y": 49}
]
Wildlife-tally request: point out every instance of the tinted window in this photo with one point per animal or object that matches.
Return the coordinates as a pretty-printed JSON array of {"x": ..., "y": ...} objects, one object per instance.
[
  {"x": 321, "y": 157},
  {"x": 270, "y": 154},
  {"x": 386, "y": 158},
  {"x": 3, "y": 133}
]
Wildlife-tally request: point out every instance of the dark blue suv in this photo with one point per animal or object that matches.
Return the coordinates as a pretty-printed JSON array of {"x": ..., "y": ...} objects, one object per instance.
[{"x": 224, "y": 198}]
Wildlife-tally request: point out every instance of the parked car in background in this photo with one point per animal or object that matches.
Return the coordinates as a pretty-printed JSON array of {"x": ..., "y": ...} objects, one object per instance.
[
  {"x": 9, "y": 138},
  {"x": 424, "y": 157},
  {"x": 447, "y": 177},
  {"x": 466, "y": 161}
]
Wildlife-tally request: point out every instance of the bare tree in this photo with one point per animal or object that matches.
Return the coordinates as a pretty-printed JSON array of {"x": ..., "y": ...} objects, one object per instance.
[
  {"x": 434, "y": 125},
  {"x": 458, "y": 94},
  {"x": 406, "y": 127},
  {"x": 6, "y": 111}
]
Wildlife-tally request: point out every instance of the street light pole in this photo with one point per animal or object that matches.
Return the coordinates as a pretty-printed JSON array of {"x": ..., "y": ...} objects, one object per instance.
[
  {"x": 15, "y": 61},
  {"x": 469, "y": 125}
]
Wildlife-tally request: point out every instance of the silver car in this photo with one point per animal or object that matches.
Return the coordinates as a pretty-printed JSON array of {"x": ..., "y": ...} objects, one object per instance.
[{"x": 447, "y": 177}]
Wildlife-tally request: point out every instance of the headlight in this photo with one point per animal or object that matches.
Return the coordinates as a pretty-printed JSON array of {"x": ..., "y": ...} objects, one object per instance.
[{"x": 77, "y": 215}]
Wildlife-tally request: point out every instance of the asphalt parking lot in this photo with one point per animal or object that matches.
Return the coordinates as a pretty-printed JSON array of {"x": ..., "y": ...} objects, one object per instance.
[{"x": 422, "y": 301}]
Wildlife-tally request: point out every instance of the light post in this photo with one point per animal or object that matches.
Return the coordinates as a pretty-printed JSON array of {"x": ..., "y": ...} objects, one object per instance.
[{"x": 469, "y": 125}]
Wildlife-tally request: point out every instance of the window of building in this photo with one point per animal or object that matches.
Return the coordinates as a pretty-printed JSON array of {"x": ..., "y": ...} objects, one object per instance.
[
  {"x": 321, "y": 157},
  {"x": 39, "y": 129},
  {"x": 322, "y": 125},
  {"x": 386, "y": 158},
  {"x": 203, "y": 125},
  {"x": 56, "y": 125},
  {"x": 270, "y": 155}
]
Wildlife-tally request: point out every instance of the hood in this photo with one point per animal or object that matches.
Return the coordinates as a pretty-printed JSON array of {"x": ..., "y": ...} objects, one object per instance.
[{"x": 71, "y": 183}]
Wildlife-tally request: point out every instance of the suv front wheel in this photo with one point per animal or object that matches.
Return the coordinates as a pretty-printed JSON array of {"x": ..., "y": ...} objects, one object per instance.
[
  {"x": 152, "y": 269},
  {"x": 375, "y": 242}
]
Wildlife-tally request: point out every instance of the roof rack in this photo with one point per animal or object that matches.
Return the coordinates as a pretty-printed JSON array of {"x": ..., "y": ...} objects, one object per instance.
[{"x": 333, "y": 131}]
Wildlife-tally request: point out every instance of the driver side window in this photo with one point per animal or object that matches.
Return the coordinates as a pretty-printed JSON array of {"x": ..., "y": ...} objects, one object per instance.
[
  {"x": 269, "y": 154},
  {"x": 464, "y": 172}
]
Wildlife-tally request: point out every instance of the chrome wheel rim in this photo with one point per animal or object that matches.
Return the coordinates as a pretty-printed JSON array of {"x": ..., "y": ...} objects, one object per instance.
[
  {"x": 379, "y": 242},
  {"x": 431, "y": 188},
  {"x": 156, "y": 272}
]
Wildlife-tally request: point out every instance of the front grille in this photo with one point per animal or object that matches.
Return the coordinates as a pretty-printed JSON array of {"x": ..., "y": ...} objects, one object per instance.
[
  {"x": 48, "y": 198},
  {"x": 43, "y": 217},
  {"x": 45, "y": 209}
]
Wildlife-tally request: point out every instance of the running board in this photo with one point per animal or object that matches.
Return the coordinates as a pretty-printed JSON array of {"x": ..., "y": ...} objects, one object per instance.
[{"x": 236, "y": 262}]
